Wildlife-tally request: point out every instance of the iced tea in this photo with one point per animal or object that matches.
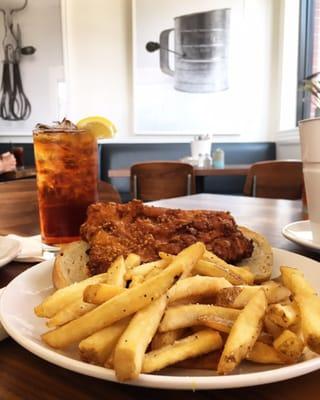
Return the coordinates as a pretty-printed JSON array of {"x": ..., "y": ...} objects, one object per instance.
[{"x": 67, "y": 167}]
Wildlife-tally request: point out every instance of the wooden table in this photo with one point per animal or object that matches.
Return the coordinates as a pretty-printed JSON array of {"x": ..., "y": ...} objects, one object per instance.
[
  {"x": 228, "y": 170},
  {"x": 28, "y": 172},
  {"x": 25, "y": 376}
]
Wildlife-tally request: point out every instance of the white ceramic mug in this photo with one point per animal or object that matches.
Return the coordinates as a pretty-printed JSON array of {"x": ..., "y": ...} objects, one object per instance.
[{"x": 310, "y": 153}]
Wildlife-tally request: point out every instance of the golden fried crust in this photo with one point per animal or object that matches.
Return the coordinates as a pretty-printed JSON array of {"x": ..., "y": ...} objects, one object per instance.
[{"x": 112, "y": 229}]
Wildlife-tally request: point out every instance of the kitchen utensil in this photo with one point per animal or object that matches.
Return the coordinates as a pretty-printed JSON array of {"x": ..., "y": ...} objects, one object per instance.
[{"x": 201, "y": 51}]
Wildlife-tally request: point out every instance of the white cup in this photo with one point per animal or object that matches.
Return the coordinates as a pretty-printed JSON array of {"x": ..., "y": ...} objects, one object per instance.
[
  {"x": 200, "y": 147},
  {"x": 310, "y": 153}
]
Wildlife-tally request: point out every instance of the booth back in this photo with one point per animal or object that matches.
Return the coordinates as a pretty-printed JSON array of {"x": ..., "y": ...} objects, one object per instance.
[{"x": 121, "y": 155}]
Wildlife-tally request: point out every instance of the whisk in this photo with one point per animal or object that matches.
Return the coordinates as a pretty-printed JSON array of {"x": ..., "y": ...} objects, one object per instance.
[{"x": 14, "y": 104}]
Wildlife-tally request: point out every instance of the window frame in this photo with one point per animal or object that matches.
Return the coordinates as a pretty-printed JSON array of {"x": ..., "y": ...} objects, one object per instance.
[{"x": 305, "y": 53}]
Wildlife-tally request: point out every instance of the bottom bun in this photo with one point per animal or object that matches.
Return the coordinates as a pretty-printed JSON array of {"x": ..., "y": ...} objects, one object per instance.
[
  {"x": 70, "y": 264},
  {"x": 261, "y": 261}
]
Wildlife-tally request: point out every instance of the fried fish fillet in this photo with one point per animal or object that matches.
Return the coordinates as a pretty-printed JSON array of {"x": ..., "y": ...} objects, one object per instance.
[{"x": 119, "y": 229}]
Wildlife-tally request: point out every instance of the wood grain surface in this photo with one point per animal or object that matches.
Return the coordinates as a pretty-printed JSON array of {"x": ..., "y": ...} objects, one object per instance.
[{"x": 25, "y": 376}]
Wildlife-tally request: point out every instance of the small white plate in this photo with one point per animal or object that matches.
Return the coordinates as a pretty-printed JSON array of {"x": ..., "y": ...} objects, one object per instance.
[
  {"x": 29, "y": 288},
  {"x": 9, "y": 248},
  {"x": 300, "y": 232}
]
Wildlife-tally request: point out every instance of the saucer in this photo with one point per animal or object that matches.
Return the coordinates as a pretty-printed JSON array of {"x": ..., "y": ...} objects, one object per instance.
[{"x": 300, "y": 232}]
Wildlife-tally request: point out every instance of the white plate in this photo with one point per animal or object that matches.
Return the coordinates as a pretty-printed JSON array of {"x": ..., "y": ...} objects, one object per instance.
[
  {"x": 300, "y": 232},
  {"x": 33, "y": 285},
  {"x": 3, "y": 333},
  {"x": 9, "y": 248}
]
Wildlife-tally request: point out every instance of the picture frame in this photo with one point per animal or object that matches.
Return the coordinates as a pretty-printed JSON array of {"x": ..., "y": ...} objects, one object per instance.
[{"x": 160, "y": 109}]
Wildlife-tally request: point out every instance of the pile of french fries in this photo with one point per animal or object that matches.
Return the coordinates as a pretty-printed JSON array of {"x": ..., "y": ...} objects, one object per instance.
[{"x": 192, "y": 310}]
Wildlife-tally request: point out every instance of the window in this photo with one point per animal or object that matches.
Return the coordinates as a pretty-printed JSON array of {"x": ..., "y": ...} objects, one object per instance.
[{"x": 309, "y": 55}]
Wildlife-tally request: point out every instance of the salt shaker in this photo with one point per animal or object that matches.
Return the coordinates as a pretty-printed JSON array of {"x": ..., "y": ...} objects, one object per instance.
[
  {"x": 218, "y": 158},
  {"x": 207, "y": 162}
]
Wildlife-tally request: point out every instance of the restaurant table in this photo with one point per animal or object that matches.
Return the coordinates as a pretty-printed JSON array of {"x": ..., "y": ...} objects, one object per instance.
[{"x": 25, "y": 376}]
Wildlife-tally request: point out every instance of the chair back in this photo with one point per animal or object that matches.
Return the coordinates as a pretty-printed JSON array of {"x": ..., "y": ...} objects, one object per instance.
[
  {"x": 275, "y": 179},
  {"x": 161, "y": 180},
  {"x": 19, "y": 205}
]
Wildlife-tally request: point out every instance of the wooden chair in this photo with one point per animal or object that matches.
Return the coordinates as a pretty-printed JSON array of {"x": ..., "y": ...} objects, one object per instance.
[
  {"x": 275, "y": 179},
  {"x": 19, "y": 204},
  {"x": 161, "y": 180}
]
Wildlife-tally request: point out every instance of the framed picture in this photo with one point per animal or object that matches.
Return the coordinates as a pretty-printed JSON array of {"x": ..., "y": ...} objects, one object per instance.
[{"x": 187, "y": 67}]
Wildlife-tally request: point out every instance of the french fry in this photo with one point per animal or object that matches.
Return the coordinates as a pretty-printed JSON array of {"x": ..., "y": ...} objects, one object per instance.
[
  {"x": 244, "y": 333},
  {"x": 109, "y": 363},
  {"x": 225, "y": 325},
  {"x": 184, "y": 316},
  {"x": 309, "y": 307},
  {"x": 238, "y": 296},
  {"x": 308, "y": 303},
  {"x": 166, "y": 256},
  {"x": 208, "y": 268},
  {"x": 123, "y": 304},
  {"x": 136, "y": 280},
  {"x": 211, "y": 265},
  {"x": 116, "y": 272},
  {"x": 62, "y": 297},
  {"x": 114, "y": 278},
  {"x": 131, "y": 347},
  {"x": 289, "y": 345},
  {"x": 275, "y": 292},
  {"x": 155, "y": 271},
  {"x": 283, "y": 315},
  {"x": 144, "y": 269},
  {"x": 96, "y": 348},
  {"x": 162, "y": 339},
  {"x": 271, "y": 327},
  {"x": 294, "y": 280},
  {"x": 206, "y": 361},
  {"x": 246, "y": 275},
  {"x": 196, "y": 286},
  {"x": 71, "y": 311},
  {"x": 101, "y": 292},
  {"x": 132, "y": 261},
  {"x": 215, "y": 322},
  {"x": 264, "y": 354},
  {"x": 194, "y": 345}
]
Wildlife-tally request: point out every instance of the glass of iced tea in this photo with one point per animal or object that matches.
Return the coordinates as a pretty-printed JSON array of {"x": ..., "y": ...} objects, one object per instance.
[{"x": 67, "y": 167}]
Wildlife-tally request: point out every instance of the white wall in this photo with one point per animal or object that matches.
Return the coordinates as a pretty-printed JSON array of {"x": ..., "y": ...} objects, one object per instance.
[
  {"x": 40, "y": 25},
  {"x": 98, "y": 46},
  {"x": 98, "y": 59}
]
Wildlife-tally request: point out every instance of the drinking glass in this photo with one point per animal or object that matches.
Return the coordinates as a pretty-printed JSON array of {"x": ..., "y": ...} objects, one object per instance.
[
  {"x": 309, "y": 130},
  {"x": 67, "y": 167}
]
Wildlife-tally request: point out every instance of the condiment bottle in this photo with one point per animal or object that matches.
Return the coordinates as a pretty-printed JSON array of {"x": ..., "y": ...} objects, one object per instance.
[{"x": 218, "y": 158}]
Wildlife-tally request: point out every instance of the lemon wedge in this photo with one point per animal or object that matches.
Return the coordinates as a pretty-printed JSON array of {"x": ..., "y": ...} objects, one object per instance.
[{"x": 100, "y": 127}]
